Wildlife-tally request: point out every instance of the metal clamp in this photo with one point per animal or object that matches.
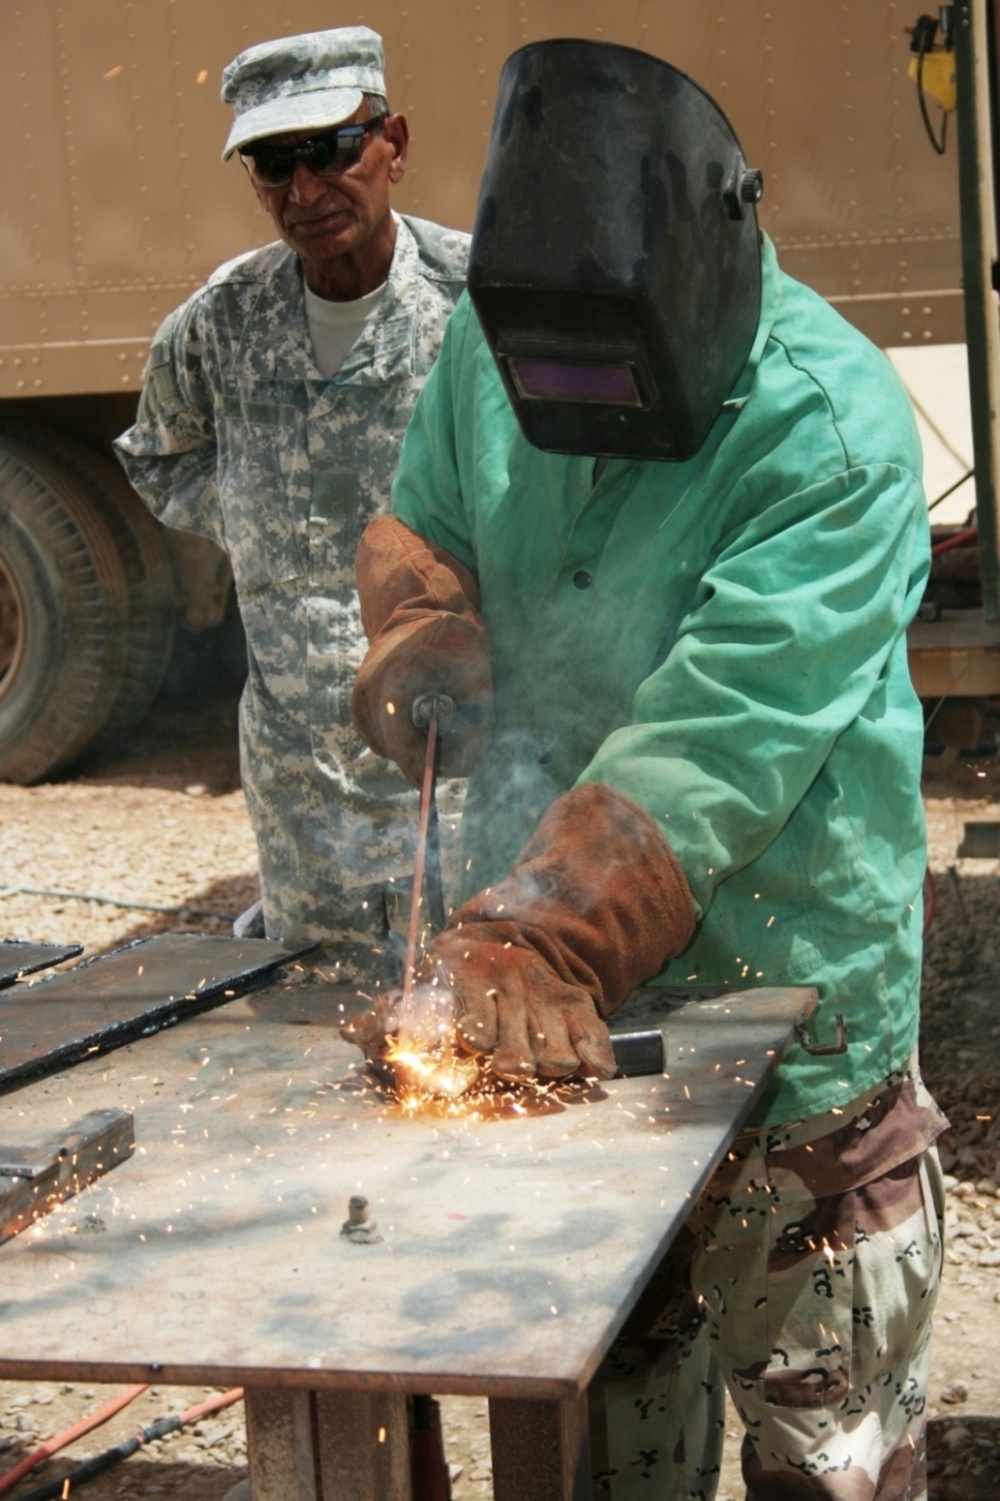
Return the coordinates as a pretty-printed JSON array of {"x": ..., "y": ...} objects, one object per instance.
[
  {"x": 826, "y": 1049},
  {"x": 451, "y": 718},
  {"x": 428, "y": 706}
]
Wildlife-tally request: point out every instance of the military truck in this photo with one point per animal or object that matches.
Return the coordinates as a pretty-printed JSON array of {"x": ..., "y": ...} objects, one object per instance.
[{"x": 117, "y": 206}]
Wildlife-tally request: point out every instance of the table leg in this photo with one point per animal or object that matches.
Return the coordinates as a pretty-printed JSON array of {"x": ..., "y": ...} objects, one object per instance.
[
  {"x": 363, "y": 1446},
  {"x": 541, "y": 1450},
  {"x": 280, "y": 1446},
  {"x": 327, "y": 1446}
]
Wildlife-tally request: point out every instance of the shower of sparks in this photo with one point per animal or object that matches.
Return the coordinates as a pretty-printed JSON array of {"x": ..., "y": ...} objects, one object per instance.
[{"x": 432, "y": 1074}]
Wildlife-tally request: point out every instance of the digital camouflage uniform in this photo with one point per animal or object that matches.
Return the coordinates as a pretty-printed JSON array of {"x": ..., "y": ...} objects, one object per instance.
[
  {"x": 723, "y": 641},
  {"x": 239, "y": 437}
]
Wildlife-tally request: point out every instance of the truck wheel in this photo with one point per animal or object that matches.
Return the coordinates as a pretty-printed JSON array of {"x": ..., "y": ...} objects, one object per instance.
[
  {"x": 149, "y": 574},
  {"x": 63, "y": 617}
]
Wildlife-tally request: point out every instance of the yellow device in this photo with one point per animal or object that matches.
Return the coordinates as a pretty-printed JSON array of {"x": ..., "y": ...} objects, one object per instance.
[{"x": 935, "y": 73}]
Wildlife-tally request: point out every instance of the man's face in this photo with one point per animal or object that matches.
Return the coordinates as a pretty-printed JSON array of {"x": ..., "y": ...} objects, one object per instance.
[{"x": 347, "y": 215}]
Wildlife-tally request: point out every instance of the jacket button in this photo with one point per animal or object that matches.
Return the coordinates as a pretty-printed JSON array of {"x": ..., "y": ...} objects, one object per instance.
[
  {"x": 544, "y": 755},
  {"x": 582, "y": 580}
]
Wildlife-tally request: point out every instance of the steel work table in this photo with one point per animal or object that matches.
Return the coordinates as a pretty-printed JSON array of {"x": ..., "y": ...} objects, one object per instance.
[{"x": 513, "y": 1246}]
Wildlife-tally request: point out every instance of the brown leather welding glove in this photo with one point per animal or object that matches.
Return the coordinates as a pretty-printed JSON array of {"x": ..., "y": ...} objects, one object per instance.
[
  {"x": 596, "y": 903},
  {"x": 420, "y": 611}
]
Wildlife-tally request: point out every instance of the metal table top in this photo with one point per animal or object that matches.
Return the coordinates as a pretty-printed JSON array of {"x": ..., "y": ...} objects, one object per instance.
[{"x": 514, "y": 1241}]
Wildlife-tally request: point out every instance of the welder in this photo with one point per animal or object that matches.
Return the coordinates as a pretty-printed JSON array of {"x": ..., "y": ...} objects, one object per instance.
[{"x": 658, "y": 529}]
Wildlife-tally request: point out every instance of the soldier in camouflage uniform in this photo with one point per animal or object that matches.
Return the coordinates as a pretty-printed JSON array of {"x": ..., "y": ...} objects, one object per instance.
[{"x": 274, "y": 406}]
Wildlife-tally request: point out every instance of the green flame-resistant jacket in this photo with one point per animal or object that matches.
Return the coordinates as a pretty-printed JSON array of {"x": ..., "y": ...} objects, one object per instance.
[{"x": 722, "y": 640}]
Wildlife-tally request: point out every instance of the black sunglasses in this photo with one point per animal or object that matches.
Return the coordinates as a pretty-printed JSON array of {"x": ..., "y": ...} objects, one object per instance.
[{"x": 326, "y": 154}]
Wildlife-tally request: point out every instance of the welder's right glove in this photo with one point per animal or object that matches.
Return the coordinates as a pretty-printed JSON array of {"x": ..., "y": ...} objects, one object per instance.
[
  {"x": 596, "y": 903},
  {"x": 420, "y": 611}
]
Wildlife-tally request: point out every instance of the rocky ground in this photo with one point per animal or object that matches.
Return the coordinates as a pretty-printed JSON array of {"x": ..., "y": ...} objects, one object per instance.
[{"x": 163, "y": 826}]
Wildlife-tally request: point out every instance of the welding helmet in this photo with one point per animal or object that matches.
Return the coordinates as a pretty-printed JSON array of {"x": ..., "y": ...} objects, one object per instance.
[{"x": 615, "y": 264}]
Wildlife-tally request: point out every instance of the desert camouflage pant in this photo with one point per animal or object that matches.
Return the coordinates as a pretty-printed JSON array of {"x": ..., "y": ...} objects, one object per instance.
[
  {"x": 657, "y": 1403},
  {"x": 815, "y": 1304}
]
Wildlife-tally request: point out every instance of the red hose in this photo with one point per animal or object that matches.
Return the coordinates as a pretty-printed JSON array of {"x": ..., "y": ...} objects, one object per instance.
[
  {"x": 53, "y": 1445},
  {"x": 213, "y": 1404},
  {"x": 968, "y": 535}
]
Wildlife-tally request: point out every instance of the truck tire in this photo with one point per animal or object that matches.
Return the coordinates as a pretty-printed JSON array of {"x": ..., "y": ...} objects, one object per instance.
[
  {"x": 64, "y": 603},
  {"x": 149, "y": 574}
]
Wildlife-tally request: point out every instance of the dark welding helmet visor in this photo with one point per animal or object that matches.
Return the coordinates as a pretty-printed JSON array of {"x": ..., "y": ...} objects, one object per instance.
[{"x": 615, "y": 263}]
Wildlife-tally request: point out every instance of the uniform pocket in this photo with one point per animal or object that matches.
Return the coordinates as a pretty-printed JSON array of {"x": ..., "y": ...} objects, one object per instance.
[
  {"x": 898, "y": 1262},
  {"x": 810, "y": 1302},
  {"x": 336, "y": 521},
  {"x": 777, "y": 1286},
  {"x": 263, "y": 487}
]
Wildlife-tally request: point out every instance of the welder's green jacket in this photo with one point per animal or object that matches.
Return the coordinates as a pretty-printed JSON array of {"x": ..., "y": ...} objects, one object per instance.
[{"x": 722, "y": 640}]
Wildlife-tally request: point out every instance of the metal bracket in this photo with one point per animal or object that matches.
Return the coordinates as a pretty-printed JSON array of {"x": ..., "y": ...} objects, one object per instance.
[
  {"x": 825, "y": 1049},
  {"x": 33, "y": 1180},
  {"x": 638, "y": 1053}
]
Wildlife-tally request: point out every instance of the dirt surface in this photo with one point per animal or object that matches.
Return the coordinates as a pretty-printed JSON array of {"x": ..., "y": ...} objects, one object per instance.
[{"x": 163, "y": 825}]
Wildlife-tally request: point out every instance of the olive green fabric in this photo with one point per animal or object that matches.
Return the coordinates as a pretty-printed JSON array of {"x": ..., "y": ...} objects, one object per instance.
[{"x": 722, "y": 641}]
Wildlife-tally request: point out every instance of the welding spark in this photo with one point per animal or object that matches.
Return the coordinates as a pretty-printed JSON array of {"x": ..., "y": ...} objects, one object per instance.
[{"x": 422, "y": 1076}]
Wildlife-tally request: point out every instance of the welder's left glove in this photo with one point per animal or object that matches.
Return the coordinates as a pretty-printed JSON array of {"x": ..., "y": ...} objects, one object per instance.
[
  {"x": 596, "y": 903},
  {"x": 420, "y": 612}
]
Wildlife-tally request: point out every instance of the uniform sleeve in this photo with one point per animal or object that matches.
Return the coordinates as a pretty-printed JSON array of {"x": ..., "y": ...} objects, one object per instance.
[
  {"x": 796, "y": 634},
  {"x": 170, "y": 454}
]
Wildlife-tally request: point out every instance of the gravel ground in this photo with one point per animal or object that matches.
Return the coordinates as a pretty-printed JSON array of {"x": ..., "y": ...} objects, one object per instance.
[{"x": 163, "y": 825}]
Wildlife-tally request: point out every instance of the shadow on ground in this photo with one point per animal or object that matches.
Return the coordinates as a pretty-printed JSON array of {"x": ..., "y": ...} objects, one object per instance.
[
  {"x": 190, "y": 732},
  {"x": 210, "y": 910},
  {"x": 963, "y": 1458},
  {"x": 137, "y": 1479}
]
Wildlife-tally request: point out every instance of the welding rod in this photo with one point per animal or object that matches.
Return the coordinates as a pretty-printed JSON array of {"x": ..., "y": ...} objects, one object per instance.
[{"x": 426, "y": 799}]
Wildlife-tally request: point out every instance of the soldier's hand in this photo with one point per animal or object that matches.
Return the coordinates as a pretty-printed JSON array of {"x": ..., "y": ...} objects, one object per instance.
[
  {"x": 420, "y": 609},
  {"x": 501, "y": 1004},
  {"x": 422, "y": 1019},
  {"x": 516, "y": 1010}
]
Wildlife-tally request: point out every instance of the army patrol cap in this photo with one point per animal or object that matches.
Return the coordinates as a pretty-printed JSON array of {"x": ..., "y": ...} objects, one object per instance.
[{"x": 301, "y": 82}]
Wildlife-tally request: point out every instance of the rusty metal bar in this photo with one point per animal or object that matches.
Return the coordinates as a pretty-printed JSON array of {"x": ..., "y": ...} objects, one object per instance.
[
  {"x": 541, "y": 1450},
  {"x": 34, "y": 1179}
]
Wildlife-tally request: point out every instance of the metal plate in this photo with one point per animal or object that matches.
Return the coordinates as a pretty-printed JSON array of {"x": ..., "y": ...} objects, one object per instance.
[
  {"x": 130, "y": 993},
  {"x": 35, "y": 1179},
  {"x": 18, "y": 957},
  {"x": 980, "y": 841},
  {"x": 512, "y": 1246}
]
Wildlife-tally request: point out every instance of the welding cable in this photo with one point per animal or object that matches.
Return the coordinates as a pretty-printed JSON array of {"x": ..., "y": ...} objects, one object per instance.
[
  {"x": 69, "y": 1435},
  {"x": 969, "y": 473},
  {"x": 924, "y": 39},
  {"x": 58, "y": 1490},
  {"x": 110, "y": 901},
  {"x": 968, "y": 535}
]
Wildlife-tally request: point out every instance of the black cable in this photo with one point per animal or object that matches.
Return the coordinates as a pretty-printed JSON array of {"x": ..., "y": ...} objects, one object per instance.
[
  {"x": 938, "y": 146},
  {"x": 950, "y": 490},
  {"x": 110, "y": 901},
  {"x": 53, "y": 1490}
]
